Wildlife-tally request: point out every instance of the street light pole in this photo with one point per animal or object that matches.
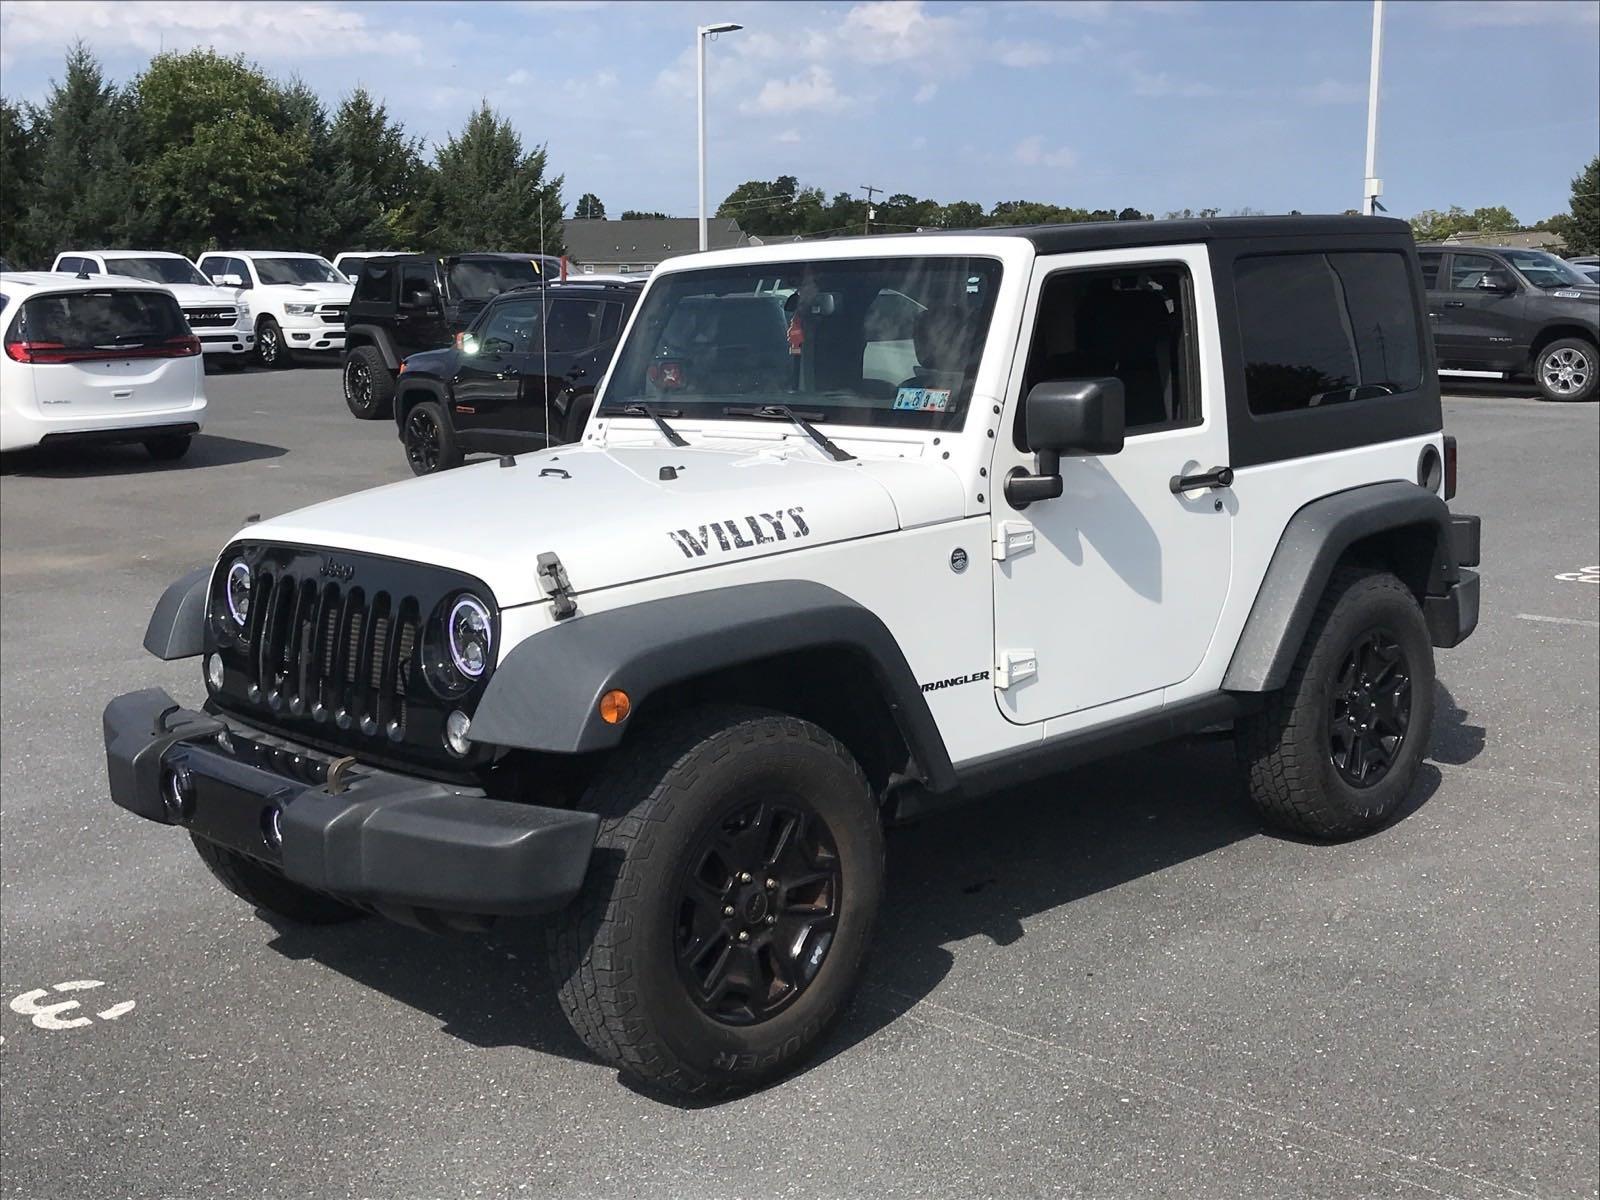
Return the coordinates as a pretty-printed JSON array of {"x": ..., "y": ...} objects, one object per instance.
[
  {"x": 1372, "y": 186},
  {"x": 700, "y": 34}
]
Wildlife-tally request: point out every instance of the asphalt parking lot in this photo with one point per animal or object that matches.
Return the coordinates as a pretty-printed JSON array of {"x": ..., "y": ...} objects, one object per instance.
[{"x": 1110, "y": 984}]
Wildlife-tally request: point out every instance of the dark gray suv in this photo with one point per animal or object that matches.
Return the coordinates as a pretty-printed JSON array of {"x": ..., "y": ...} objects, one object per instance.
[{"x": 1520, "y": 312}]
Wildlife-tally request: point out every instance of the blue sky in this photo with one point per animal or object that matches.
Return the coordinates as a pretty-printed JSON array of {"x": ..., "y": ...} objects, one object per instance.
[{"x": 1163, "y": 104}]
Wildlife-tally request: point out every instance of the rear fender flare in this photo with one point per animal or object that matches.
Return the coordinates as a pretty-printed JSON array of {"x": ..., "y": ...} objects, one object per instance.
[
  {"x": 1313, "y": 542},
  {"x": 355, "y": 336}
]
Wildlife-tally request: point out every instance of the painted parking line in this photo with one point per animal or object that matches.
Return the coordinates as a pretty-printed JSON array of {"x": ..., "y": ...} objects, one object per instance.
[{"x": 1559, "y": 620}]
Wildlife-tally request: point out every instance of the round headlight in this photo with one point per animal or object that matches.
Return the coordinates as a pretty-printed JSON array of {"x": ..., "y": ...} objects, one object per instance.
[
  {"x": 236, "y": 590},
  {"x": 470, "y": 635}
]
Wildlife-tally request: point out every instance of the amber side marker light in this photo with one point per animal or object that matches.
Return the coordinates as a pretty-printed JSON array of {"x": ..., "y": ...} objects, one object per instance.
[{"x": 615, "y": 707}]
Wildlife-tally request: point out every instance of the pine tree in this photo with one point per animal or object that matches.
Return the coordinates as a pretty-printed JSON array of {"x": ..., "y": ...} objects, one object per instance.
[{"x": 487, "y": 192}]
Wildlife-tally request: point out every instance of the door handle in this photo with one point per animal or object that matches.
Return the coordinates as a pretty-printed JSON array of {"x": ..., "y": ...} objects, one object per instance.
[
  {"x": 1455, "y": 303},
  {"x": 1217, "y": 477}
]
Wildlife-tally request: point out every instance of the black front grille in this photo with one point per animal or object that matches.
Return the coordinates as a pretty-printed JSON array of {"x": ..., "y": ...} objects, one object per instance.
[
  {"x": 333, "y": 651},
  {"x": 333, "y": 314},
  {"x": 212, "y": 317}
]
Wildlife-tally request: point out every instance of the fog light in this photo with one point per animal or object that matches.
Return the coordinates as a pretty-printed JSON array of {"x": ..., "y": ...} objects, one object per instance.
[
  {"x": 178, "y": 794},
  {"x": 214, "y": 671},
  {"x": 456, "y": 728},
  {"x": 272, "y": 826}
]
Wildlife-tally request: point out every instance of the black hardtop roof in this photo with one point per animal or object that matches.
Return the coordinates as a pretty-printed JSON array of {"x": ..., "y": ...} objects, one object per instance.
[
  {"x": 598, "y": 285},
  {"x": 1102, "y": 235}
]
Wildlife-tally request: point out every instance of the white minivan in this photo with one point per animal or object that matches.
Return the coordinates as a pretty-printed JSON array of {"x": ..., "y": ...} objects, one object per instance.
[
  {"x": 299, "y": 300},
  {"x": 97, "y": 360},
  {"x": 220, "y": 317}
]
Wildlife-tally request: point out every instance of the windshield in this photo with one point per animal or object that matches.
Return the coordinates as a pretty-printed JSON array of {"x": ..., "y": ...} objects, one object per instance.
[
  {"x": 1545, "y": 270},
  {"x": 881, "y": 341},
  {"x": 157, "y": 270},
  {"x": 297, "y": 270},
  {"x": 483, "y": 278}
]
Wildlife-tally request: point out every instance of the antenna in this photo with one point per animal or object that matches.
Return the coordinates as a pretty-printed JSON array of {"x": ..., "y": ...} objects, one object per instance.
[{"x": 544, "y": 321}]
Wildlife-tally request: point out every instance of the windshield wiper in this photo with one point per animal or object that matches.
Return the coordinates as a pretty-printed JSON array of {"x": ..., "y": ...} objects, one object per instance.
[
  {"x": 782, "y": 412},
  {"x": 655, "y": 414}
]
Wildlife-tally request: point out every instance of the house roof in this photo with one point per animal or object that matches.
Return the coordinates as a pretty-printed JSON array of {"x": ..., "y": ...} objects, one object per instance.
[
  {"x": 1522, "y": 239},
  {"x": 647, "y": 241}
]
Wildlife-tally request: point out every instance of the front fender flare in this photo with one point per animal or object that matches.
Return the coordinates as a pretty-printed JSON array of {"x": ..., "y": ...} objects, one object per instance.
[
  {"x": 177, "y": 627},
  {"x": 1312, "y": 543},
  {"x": 545, "y": 695}
]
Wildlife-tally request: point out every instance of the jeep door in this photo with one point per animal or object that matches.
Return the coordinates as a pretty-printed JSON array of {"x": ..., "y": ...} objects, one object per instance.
[
  {"x": 1482, "y": 321},
  {"x": 488, "y": 382},
  {"x": 579, "y": 333},
  {"x": 1114, "y": 589},
  {"x": 419, "y": 321}
]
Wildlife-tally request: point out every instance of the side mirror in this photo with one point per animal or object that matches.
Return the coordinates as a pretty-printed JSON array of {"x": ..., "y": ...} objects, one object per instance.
[
  {"x": 1071, "y": 416},
  {"x": 1496, "y": 281},
  {"x": 466, "y": 343},
  {"x": 228, "y": 280},
  {"x": 419, "y": 298}
]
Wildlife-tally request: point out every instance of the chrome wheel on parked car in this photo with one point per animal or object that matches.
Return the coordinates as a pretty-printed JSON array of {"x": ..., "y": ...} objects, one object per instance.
[{"x": 1566, "y": 370}]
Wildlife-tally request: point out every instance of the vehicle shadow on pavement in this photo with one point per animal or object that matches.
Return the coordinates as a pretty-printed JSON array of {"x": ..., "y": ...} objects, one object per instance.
[
  {"x": 1455, "y": 743},
  {"x": 68, "y": 462},
  {"x": 979, "y": 870}
]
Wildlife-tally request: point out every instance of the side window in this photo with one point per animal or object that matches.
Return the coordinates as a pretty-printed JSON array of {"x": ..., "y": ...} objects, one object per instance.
[
  {"x": 1322, "y": 329},
  {"x": 511, "y": 328},
  {"x": 418, "y": 287},
  {"x": 610, "y": 321},
  {"x": 1468, "y": 271},
  {"x": 1431, "y": 260},
  {"x": 375, "y": 283},
  {"x": 90, "y": 266},
  {"x": 1135, "y": 324},
  {"x": 239, "y": 267},
  {"x": 69, "y": 264},
  {"x": 573, "y": 325}
]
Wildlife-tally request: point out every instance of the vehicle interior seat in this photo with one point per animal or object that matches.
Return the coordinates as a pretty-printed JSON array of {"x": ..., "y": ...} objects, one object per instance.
[{"x": 942, "y": 338}]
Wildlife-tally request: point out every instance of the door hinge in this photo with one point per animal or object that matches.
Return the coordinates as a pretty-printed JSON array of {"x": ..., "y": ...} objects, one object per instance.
[
  {"x": 555, "y": 584},
  {"x": 1015, "y": 666},
  {"x": 1012, "y": 538}
]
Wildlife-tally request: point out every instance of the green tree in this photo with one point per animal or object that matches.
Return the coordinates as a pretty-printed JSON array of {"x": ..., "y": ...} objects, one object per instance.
[
  {"x": 83, "y": 190},
  {"x": 589, "y": 208},
  {"x": 229, "y": 152},
  {"x": 631, "y": 214},
  {"x": 1582, "y": 228},
  {"x": 487, "y": 191},
  {"x": 19, "y": 147},
  {"x": 960, "y": 214},
  {"x": 386, "y": 180}
]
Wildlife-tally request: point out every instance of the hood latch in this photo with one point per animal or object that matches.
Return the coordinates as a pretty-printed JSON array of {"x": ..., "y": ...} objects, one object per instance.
[{"x": 553, "y": 580}]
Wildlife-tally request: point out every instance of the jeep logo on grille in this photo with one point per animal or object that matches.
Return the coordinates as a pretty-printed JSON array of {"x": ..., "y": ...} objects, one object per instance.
[{"x": 335, "y": 569}]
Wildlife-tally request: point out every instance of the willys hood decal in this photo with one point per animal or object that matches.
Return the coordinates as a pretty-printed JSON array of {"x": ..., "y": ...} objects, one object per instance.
[{"x": 619, "y": 515}]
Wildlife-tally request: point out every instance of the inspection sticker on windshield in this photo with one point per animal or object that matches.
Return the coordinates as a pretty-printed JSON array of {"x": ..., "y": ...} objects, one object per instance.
[{"x": 922, "y": 399}]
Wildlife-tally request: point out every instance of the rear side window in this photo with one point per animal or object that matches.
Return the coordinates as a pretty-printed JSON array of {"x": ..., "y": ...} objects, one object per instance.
[
  {"x": 1431, "y": 261},
  {"x": 375, "y": 283},
  {"x": 1321, "y": 329},
  {"x": 108, "y": 320}
]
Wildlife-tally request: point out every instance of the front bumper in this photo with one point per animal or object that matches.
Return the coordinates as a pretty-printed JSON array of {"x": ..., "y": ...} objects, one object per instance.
[
  {"x": 387, "y": 841},
  {"x": 302, "y": 335},
  {"x": 226, "y": 342}
]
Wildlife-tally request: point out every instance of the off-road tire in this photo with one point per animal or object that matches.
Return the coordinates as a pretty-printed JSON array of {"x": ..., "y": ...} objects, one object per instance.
[
  {"x": 264, "y": 888},
  {"x": 376, "y": 400},
  {"x": 613, "y": 949},
  {"x": 444, "y": 454},
  {"x": 169, "y": 447},
  {"x": 1284, "y": 750},
  {"x": 271, "y": 351},
  {"x": 1570, "y": 363}
]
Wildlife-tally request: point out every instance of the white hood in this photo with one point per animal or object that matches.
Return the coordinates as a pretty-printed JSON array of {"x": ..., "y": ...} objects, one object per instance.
[
  {"x": 318, "y": 293},
  {"x": 612, "y": 519},
  {"x": 192, "y": 295}
]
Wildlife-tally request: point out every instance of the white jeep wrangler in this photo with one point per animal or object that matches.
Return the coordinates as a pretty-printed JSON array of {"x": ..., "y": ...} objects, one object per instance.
[{"x": 857, "y": 528}]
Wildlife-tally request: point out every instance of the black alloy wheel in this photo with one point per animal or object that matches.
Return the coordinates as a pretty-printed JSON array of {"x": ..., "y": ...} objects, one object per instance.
[
  {"x": 758, "y": 906},
  {"x": 422, "y": 440},
  {"x": 358, "y": 383},
  {"x": 1370, "y": 709},
  {"x": 269, "y": 344}
]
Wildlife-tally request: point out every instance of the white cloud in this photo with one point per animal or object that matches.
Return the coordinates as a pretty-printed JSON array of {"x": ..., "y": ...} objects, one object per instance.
[
  {"x": 1334, "y": 91},
  {"x": 1023, "y": 54},
  {"x": 896, "y": 30},
  {"x": 812, "y": 89},
  {"x": 789, "y": 137},
  {"x": 289, "y": 30},
  {"x": 1477, "y": 14},
  {"x": 1031, "y": 152},
  {"x": 926, "y": 93},
  {"x": 1159, "y": 84},
  {"x": 519, "y": 77}
]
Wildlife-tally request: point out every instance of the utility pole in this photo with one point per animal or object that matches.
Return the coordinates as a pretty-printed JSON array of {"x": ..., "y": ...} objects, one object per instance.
[
  {"x": 1371, "y": 185},
  {"x": 866, "y": 227}
]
